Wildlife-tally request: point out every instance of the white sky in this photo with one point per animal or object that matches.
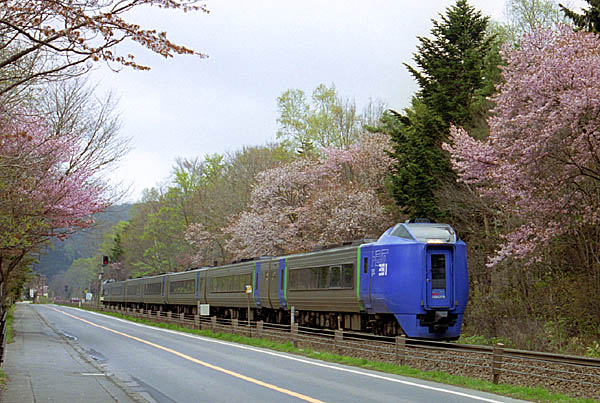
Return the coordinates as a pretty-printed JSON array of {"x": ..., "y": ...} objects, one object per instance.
[{"x": 189, "y": 107}]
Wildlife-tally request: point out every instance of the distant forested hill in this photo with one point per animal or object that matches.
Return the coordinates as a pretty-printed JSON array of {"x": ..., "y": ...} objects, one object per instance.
[{"x": 58, "y": 256}]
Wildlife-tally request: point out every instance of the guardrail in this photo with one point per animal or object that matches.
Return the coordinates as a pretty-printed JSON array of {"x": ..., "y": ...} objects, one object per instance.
[{"x": 572, "y": 375}]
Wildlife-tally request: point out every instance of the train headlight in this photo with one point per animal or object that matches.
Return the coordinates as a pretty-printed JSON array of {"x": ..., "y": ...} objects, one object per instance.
[{"x": 435, "y": 241}]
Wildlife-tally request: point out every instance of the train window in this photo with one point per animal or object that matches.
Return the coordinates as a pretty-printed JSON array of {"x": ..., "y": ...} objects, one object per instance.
[
  {"x": 303, "y": 279},
  {"x": 433, "y": 232},
  {"x": 182, "y": 287},
  {"x": 348, "y": 275},
  {"x": 438, "y": 271},
  {"x": 321, "y": 278},
  {"x": 335, "y": 277},
  {"x": 324, "y": 277},
  {"x": 401, "y": 232},
  {"x": 314, "y": 278},
  {"x": 153, "y": 289},
  {"x": 293, "y": 281},
  {"x": 366, "y": 265}
]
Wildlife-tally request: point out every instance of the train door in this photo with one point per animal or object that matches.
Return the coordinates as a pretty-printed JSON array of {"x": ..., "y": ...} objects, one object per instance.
[
  {"x": 264, "y": 285},
  {"x": 282, "y": 282},
  {"x": 273, "y": 285},
  {"x": 364, "y": 276},
  {"x": 439, "y": 278},
  {"x": 256, "y": 284},
  {"x": 200, "y": 286}
]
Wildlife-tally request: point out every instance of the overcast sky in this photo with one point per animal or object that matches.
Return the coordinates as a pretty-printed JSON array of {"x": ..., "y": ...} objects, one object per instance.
[{"x": 189, "y": 107}]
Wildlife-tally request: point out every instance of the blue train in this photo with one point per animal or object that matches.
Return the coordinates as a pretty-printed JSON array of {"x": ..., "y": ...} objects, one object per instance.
[{"x": 413, "y": 280}]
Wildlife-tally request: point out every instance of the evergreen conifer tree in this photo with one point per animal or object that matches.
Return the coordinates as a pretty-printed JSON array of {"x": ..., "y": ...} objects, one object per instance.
[
  {"x": 589, "y": 20},
  {"x": 451, "y": 73}
]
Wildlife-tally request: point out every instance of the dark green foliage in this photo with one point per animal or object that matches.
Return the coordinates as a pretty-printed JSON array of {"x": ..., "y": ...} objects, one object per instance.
[
  {"x": 456, "y": 73},
  {"x": 59, "y": 255},
  {"x": 589, "y": 20},
  {"x": 451, "y": 64},
  {"x": 419, "y": 158}
]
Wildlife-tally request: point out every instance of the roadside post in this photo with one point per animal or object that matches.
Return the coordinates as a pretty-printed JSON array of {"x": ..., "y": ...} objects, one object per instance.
[
  {"x": 100, "y": 274},
  {"x": 248, "y": 292}
]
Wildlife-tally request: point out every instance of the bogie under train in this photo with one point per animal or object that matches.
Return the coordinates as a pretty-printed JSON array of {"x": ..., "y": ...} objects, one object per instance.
[{"x": 413, "y": 280}]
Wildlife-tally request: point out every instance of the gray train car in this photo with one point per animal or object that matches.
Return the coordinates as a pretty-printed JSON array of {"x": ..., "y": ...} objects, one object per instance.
[
  {"x": 182, "y": 288},
  {"x": 323, "y": 281},
  {"x": 226, "y": 286},
  {"x": 322, "y": 288},
  {"x": 133, "y": 292},
  {"x": 153, "y": 292},
  {"x": 113, "y": 293}
]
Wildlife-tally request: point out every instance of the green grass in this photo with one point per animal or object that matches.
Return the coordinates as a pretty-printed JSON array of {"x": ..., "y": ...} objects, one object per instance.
[
  {"x": 8, "y": 339},
  {"x": 9, "y": 320},
  {"x": 537, "y": 394},
  {"x": 484, "y": 341},
  {"x": 3, "y": 379}
]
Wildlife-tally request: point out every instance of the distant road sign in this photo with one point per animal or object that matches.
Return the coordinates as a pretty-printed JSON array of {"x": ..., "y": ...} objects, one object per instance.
[{"x": 248, "y": 289}]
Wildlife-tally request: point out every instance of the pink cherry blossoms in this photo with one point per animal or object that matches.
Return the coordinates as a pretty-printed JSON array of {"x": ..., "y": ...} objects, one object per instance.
[
  {"x": 306, "y": 203},
  {"x": 44, "y": 193},
  {"x": 541, "y": 162}
]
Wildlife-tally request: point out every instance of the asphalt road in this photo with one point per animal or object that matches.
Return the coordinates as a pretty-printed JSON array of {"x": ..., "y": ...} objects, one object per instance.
[{"x": 167, "y": 366}]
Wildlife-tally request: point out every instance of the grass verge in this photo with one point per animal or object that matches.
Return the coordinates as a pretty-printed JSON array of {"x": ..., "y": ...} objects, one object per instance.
[
  {"x": 8, "y": 339},
  {"x": 537, "y": 394},
  {"x": 3, "y": 380},
  {"x": 9, "y": 320}
]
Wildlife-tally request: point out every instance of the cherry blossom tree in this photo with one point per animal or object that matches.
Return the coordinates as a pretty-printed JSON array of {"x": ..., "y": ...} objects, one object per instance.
[
  {"x": 541, "y": 162},
  {"x": 48, "y": 187},
  {"x": 46, "y": 39},
  {"x": 306, "y": 203}
]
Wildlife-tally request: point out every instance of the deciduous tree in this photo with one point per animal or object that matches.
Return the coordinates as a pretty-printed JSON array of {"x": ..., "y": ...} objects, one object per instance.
[
  {"x": 48, "y": 186},
  {"x": 308, "y": 202},
  {"x": 524, "y": 16},
  {"x": 541, "y": 162},
  {"x": 326, "y": 120},
  {"x": 49, "y": 39}
]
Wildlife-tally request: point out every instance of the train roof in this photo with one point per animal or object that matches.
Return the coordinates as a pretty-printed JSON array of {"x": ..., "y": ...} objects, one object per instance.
[{"x": 424, "y": 232}]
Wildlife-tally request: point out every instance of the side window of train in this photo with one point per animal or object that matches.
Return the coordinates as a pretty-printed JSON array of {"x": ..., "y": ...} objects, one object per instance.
[{"x": 366, "y": 267}]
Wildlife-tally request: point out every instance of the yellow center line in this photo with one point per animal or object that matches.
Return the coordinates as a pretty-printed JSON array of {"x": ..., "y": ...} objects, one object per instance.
[{"x": 195, "y": 360}]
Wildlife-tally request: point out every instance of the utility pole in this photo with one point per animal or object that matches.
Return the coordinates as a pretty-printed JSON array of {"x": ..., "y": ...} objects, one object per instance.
[{"x": 100, "y": 274}]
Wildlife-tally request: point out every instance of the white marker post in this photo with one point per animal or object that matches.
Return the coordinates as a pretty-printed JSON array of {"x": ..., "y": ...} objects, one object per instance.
[{"x": 248, "y": 292}]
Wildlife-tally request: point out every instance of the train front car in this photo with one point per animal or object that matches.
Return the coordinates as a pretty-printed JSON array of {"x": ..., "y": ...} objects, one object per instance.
[{"x": 417, "y": 272}]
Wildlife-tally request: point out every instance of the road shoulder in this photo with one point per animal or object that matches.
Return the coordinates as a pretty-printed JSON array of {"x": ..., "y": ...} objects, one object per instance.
[{"x": 42, "y": 365}]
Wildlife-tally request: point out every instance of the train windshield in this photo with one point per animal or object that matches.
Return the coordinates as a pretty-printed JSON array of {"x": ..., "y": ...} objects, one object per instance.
[{"x": 432, "y": 233}]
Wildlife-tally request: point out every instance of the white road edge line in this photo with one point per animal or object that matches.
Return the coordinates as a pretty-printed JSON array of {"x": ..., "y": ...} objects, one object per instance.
[{"x": 292, "y": 358}]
